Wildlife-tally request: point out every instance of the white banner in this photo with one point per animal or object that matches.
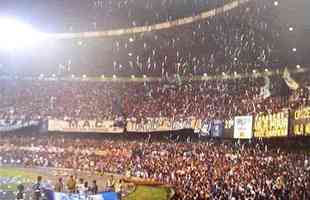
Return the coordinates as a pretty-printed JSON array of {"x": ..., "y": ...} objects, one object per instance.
[
  {"x": 84, "y": 126},
  {"x": 243, "y": 127}
]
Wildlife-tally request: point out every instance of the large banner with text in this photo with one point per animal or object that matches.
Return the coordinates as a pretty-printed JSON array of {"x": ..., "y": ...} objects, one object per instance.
[
  {"x": 14, "y": 124},
  {"x": 84, "y": 126},
  {"x": 272, "y": 125},
  {"x": 133, "y": 125},
  {"x": 301, "y": 122},
  {"x": 162, "y": 124}
]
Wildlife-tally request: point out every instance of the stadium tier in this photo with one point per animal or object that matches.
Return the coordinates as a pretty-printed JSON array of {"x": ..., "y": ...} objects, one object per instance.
[{"x": 154, "y": 100}]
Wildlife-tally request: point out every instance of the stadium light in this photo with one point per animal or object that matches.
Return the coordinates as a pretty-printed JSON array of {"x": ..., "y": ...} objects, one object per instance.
[
  {"x": 266, "y": 70},
  {"x": 131, "y": 39},
  {"x": 298, "y": 66},
  {"x": 294, "y": 49},
  {"x": 16, "y": 35},
  {"x": 276, "y": 3},
  {"x": 80, "y": 43},
  {"x": 290, "y": 28}
]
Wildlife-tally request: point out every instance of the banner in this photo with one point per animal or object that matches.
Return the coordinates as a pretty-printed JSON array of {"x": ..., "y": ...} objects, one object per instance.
[
  {"x": 265, "y": 90},
  {"x": 211, "y": 128},
  {"x": 50, "y": 195},
  {"x": 229, "y": 128},
  {"x": 243, "y": 127},
  {"x": 218, "y": 128},
  {"x": 13, "y": 125},
  {"x": 301, "y": 122},
  {"x": 105, "y": 126},
  {"x": 83, "y": 126},
  {"x": 291, "y": 83},
  {"x": 271, "y": 125},
  {"x": 206, "y": 128},
  {"x": 162, "y": 124}
]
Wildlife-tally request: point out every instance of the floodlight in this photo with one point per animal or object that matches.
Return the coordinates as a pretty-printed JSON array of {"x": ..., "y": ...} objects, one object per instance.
[{"x": 16, "y": 35}]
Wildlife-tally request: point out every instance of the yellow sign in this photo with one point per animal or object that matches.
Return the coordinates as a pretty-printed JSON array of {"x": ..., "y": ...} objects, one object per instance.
[
  {"x": 271, "y": 125},
  {"x": 301, "y": 122}
]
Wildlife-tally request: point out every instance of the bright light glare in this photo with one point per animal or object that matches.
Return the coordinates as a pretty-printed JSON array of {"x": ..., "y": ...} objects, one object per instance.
[{"x": 16, "y": 35}]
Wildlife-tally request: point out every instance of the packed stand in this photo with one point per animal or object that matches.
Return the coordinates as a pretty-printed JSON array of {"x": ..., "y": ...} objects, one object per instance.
[
  {"x": 213, "y": 99},
  {"x": 209, "y": 170}
]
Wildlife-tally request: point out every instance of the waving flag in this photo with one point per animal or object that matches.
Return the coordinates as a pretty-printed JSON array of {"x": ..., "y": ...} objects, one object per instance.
[
  {"x": 51, "y": 195},
  {"x": 291, "y": 83},
  {"x": 265, "y": 90}
]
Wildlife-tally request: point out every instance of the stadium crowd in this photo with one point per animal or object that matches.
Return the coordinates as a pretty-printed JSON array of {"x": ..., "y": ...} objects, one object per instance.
[
  {"x": 108, "y": 100},
  {"x": 244, "y": 40},
  {"x": 208, "y": 170}
]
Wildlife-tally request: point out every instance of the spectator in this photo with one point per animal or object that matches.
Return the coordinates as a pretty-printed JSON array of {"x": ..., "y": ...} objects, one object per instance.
[
  {"x": 94, "y": 187},
  {"x": 38, "y": 189},
  {"x": 59, "y": 187},
  {"x": 71, "y": 184}
]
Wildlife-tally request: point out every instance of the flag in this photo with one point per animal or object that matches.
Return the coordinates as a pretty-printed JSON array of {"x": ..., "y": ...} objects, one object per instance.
[
  {"x": 105, "y": 196},
  {"x": 51, "y": 195},
  {"x": 265, "y": 90},
  {"x": 291, "y": 83}
]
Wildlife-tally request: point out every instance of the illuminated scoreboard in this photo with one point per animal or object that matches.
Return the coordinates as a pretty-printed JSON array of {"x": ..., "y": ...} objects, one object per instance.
[
  {"x": 301, "y": 122},
  {"x": 271, "y": 125}
]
